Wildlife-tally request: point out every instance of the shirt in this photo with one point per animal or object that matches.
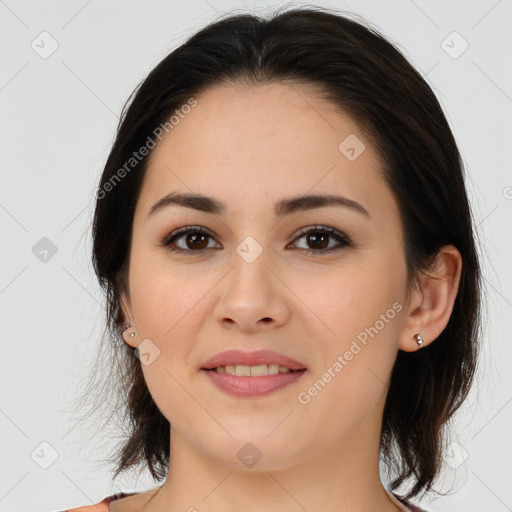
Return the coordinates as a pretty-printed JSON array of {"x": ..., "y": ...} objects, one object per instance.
[{"x": 103, "y": 505}]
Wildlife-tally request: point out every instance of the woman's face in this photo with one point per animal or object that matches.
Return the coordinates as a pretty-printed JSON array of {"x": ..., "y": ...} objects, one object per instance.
[{"x": 250, "y": 283}]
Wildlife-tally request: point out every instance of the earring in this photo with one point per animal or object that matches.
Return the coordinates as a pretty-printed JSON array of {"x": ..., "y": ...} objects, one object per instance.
[
  {"x": 419, "y": 340},
  {"x": 131, "y": 332}
]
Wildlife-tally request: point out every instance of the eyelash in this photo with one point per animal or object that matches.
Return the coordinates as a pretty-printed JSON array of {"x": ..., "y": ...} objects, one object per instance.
[{"x": 334, "y": 233}]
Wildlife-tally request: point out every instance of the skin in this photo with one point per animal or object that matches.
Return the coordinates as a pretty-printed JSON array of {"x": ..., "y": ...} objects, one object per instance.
[{"x": 250, "y": 147}]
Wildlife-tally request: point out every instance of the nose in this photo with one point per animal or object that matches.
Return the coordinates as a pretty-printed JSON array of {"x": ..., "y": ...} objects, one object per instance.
[{"x": 252, "y": 297}]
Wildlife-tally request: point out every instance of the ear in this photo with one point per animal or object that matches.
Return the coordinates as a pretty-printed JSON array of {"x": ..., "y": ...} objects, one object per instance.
[
  {"x": 126, "y": 308},
  {"x": 431, "y": 303}
]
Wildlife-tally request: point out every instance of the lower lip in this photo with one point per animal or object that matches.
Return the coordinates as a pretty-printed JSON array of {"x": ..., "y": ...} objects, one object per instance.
[{"x": 252, "y": 386}]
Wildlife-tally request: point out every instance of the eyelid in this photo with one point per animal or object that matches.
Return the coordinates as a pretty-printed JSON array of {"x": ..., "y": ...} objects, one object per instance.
[
  {"x": 318, "y": 227},
  {"x": 342, "y": 238},
  {"x": 177, "y": 233},
  {"x": 186, "y": 229}
]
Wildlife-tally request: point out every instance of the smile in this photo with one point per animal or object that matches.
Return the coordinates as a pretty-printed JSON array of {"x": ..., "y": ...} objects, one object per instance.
[{"x": 260, "y": 370}]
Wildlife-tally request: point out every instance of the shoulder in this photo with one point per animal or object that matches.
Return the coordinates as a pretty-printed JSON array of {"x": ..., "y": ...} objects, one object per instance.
[{"x": 102, "y": 506}]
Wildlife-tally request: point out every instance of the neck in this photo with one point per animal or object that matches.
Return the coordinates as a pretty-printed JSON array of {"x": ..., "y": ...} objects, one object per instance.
[{"x": 343, "y": 480}]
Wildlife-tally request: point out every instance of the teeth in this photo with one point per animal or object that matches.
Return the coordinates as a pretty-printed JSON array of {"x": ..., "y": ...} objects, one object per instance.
[
  {"x": 260, "y": 370},
  {"x": 243, "y": 371}
]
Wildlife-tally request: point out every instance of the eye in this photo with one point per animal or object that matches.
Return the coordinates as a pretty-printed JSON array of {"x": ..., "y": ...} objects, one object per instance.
[
  {"x": 319, "y": 236},
  {"x": 195, "y": 239},
  {"x": 194, "y": 236}
]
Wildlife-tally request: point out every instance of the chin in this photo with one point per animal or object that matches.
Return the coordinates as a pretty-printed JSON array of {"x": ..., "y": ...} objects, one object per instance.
[{"x": 254, "y": 450}]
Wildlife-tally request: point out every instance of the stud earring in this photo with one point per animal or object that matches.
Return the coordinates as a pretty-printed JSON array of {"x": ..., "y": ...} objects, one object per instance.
[
  {"x": 419, "y": 340},
  {"x": 130, "y": 332}
]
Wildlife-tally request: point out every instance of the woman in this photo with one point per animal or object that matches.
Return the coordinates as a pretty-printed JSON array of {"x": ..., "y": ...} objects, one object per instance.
[{"x": 284, "y": 236}]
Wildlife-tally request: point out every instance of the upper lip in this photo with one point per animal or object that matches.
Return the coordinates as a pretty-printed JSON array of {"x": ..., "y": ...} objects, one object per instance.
[{"x": 254, "y": 358}]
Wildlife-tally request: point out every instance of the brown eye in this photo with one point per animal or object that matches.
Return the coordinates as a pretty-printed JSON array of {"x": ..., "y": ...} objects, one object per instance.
[
  {"x": 193, "y": 239},
  {"x": 318, "y": 238},
  {"x": 196, "y": 241}
]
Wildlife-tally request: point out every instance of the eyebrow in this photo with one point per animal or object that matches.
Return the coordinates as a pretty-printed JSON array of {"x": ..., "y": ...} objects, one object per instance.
[{"x": 282, "y": 208}]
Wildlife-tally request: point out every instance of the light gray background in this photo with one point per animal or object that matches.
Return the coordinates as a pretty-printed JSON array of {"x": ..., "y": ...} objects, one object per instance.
[{"x": 57, "y": 119}]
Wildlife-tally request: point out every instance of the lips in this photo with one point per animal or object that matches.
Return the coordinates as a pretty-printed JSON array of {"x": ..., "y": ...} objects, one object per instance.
[
  {"x": 252, "y": 374},
  {"x": 241, "y": 359}
]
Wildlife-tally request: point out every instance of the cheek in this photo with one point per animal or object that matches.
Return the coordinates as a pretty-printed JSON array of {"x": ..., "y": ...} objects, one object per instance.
[
  {"x": 344, "y": 300},
  {"x": 165, "y": 296},
  {"x": 359, "y": 309},
  {"x": 357, "y": 356},
  {"x": 166, "y": 306}
]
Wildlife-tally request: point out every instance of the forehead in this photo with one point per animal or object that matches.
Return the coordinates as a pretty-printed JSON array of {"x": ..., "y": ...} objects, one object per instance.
[
  {"x": 232, "y": 121},
  {"x": 264, "y": 141}
]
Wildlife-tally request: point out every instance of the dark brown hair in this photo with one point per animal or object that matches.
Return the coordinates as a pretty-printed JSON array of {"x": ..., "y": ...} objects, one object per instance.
[{"x": 365, "y": 75}]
